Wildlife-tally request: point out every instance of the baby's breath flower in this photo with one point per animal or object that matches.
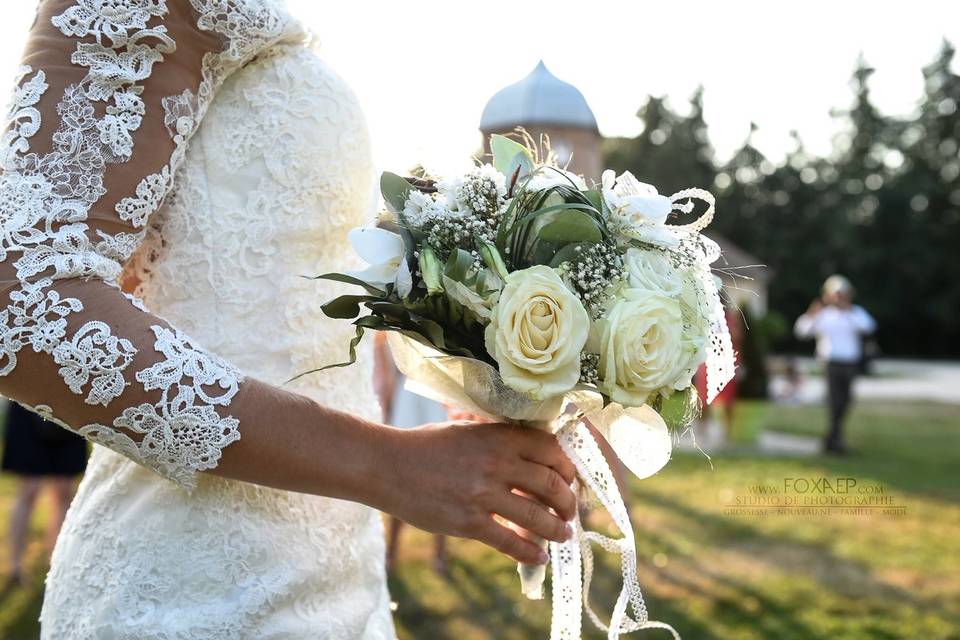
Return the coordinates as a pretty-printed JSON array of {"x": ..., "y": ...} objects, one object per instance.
[
  {"x": 481, "y": 191},
  {"x": 593, "y": 274},
  {"x": 466, "y": 231},
  {"x": 464, "y": 212},
  {"x": 588, "y": 368}
]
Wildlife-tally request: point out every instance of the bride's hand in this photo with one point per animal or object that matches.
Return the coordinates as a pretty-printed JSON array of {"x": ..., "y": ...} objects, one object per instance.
[{"x": 451, "y": 478}]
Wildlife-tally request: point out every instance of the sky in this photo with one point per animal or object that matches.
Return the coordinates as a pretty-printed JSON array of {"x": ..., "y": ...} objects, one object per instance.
[{"x": 424, "y": 70}]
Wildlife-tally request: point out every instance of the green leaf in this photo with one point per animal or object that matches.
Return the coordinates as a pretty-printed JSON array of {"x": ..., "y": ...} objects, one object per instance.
[
  {"x": 448, "y": 325},
  {"x": 487, "y": 282},
  {"x": 507, "y": 223},
  {"x": 542, "y": 233},
  {"x": 595, "y": 198},
  {"x": 342, "y": 277},
  {"x": 542, "y": 222},
  {"x": 508, "y": 155},
  {"x": 389, "y": 311},
  {"x": 345, "y": 307},
  {"x": 567, "y": 225},
  {"x": 395, "y": 191}
]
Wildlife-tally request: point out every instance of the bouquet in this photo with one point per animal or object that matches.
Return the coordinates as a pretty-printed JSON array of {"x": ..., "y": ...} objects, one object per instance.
[{"x": 518, "y": 292}]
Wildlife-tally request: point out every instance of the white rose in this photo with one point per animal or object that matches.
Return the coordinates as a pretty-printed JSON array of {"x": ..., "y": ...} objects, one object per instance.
[
  {"x": 638, "y": 209},
  {"x": 537, "y": 332},
  {"x": 641, "y": 345},
  {"x": 652, "y": 271}
]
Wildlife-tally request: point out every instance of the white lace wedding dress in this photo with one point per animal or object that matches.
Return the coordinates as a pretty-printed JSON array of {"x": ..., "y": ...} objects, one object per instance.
[{"x": 274, "y": 175}]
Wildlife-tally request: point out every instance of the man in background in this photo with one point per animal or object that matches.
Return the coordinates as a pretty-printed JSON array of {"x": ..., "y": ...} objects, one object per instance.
[{"x": 839, "y": 327}]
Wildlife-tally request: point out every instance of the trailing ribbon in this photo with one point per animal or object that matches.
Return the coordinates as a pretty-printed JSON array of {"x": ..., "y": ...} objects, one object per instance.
[{"x": 570, "y": 558}]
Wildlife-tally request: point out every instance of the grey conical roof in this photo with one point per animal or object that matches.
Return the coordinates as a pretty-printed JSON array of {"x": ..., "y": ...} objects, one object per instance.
[{"x": 540, "y": 98}]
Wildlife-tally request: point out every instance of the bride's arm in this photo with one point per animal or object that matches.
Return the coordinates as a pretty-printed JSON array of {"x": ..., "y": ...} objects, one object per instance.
[
  {"x": 106, "y": 104},
  {"x": 446, "y": 478}
]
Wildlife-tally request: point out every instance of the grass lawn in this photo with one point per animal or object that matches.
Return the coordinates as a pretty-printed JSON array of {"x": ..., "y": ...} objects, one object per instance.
[{"x": 713, "y": 574}]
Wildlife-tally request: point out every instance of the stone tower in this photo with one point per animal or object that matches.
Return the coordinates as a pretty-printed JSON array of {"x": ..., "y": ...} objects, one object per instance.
[{"x": 542, "y": 103}]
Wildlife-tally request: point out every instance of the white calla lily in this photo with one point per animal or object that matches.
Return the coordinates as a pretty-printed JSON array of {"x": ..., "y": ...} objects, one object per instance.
[{"x": 384, "y": 251}]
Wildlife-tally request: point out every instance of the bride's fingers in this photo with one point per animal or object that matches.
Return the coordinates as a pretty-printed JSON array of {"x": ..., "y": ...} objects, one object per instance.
[
  {"x": 547, "y": 485},
  {"x": 542, "y": 448},
  {"x": 509, "y": 543},
  {"x": 533, "y": 516}
]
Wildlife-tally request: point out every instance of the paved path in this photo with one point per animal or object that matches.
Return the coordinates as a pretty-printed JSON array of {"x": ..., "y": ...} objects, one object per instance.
[{"x": 891, "y": 380}]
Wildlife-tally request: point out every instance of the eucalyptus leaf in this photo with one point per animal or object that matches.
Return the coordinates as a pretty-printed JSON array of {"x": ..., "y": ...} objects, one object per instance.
[
  {"x": 508, "y": 155},
  {"x": 545, "y": 221},
  {"x": 541, "y": 234},
  {"x": 569, "y": 225},
  {"x": 595, "y": 198},
  {"x": 395, "y": 191}
]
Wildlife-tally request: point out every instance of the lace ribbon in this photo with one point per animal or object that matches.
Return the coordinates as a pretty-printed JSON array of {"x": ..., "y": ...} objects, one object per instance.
[
  {"x": 720, "y": 356},
  {"x": 572, "y": 561},
  {"x": 704, "y": 220}
]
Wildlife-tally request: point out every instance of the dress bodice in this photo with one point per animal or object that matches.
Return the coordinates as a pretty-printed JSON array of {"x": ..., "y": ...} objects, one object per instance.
[
  {"x": 276, "y": 174},
  {"x": 273, "y": 180}
]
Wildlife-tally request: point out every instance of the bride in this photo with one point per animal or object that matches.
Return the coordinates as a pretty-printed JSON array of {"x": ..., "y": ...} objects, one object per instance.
[{"x": 219, "y": 503}]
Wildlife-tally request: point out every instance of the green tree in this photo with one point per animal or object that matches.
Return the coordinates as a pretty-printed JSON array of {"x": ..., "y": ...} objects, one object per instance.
[
  {"x": 672, "y": 151},
  {"x": 883, "y": 208},
  {"x": 916, "y": 233}
]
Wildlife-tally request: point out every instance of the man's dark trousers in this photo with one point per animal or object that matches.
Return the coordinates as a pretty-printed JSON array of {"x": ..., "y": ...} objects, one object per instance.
[{"x": 840, "y": 376}]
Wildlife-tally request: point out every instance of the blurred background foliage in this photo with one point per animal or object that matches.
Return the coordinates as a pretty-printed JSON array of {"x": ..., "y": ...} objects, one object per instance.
[{"x": 883, "y": 209}]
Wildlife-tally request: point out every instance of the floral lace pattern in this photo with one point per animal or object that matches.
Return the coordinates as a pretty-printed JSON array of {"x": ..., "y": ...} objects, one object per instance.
[
  {"x": 185, "y": 361},
  {"x": 272, "y": 179},
  {"x": 192, "y": 446},
  {"x": 94, "y": 355},
  {"x": 35, "y": 316}
]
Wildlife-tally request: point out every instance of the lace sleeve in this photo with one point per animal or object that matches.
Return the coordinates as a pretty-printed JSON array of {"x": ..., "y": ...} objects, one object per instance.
[{"x": 108, "y": 96}]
